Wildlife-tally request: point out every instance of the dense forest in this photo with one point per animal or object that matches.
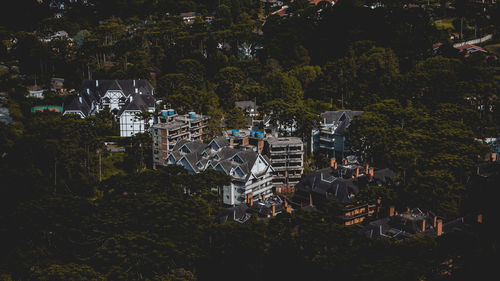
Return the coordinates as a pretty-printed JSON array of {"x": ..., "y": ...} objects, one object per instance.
[{"x": 72, "y": 210}]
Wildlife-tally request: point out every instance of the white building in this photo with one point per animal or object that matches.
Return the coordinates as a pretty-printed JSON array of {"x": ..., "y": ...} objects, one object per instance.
[
  {"x": 251, "y": 172},
  {"x": 124, "y": 98},
  {"x": 130, "y": 121}
]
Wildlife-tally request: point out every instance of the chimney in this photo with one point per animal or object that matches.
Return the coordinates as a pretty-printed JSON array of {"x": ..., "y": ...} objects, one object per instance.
[
  {"x": 134, "y": 82},
  {"x": 357, "y": 172},
  {"x": 493, "y": 157},
  {"x": 434, "y": 222},
  {"x": 423, "y": 225},
  {"x": 439, "y": 228},
  {"x": 288, "y": 209},
  {"x": 136, "y": 90},
  {"x": 333, "y": 163},
  {"x": 391, "y": 211},
  {"x": 131, "y": 98},
  {"x": 80, "y": 98},
  {"x": 88, "y": 91},
  {"x": 231, "y": 142},
  {"x": 480, "y": 218},
  {"x": 310, "y": 200},
  {"x": 263, "y": 197},
  {"x": 97, "y": 83},
  {"x": 274, "y": 210},
  {"x": 250, "y": 199},
  {"x": 370, "y": 174},
  {"x": 367, "y": 167},
  {"x": 345, "y": 161}
]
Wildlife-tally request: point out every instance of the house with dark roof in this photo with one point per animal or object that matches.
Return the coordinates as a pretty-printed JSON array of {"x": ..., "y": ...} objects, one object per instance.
[
  {"x": 342, "y": 182},
  {"x": 330, "y": 137},
  {"x": 124, "y": 98},
  {"x": 415, "y": 221},
  {"x": 251, "y": 172},
  {"x": 266, "y": 207},
  {"x": 130, "y": 121},
  {"x": 248, "y": 107}
]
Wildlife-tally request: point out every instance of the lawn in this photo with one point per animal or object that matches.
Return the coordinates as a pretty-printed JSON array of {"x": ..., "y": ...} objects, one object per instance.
[
  {"x": 111, "y": 165},
  {"x": 493, "y": 48},
  {"x": 446, "y": 23}
]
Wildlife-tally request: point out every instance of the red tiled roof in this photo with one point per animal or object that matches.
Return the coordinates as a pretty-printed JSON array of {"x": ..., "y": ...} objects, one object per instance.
[
  {"x": 470, "y": 47},
  {"x": 315, "y": 2},
  {"x": 436, "y": 45}
]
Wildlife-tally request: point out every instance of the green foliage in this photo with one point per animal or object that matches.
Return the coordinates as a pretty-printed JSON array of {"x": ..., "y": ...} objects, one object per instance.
[
  {"x": 433, "y": 151},
  {"x": 422, "y": 114},
  {"x": 69, "y": 272},
  {"x": 235, "y": 119}
]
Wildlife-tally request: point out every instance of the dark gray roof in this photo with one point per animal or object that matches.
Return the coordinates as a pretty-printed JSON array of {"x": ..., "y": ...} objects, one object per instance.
[
  {"x": 78, "y": 103},
  {"x": 245, "y": 105},
  {"x": 127, "y": 86},
  {"x": 225, "y": 156},
  {"x": 138, "y": 102},
  {"x": 238, "y": 214},
  {"x": 337, "y": 116},
  {"x": 221, "y": 141},
  {"x": 179, "y": 144},
  {"x": 385, "y": 175},
  {"x": 328, "y": 183}
]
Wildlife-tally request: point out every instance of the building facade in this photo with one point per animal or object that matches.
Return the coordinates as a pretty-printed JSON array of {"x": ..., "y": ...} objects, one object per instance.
[
  {"x": 171, "y": 128},
  {"x": 251, "y": 173},
  {"x": 342, "y": 182},
  {"x": 131, "y": 123},
  {"x": 330, "y": 137},
  {"x": 287, "y": 157},
  {"x": 126, "y": 99}
]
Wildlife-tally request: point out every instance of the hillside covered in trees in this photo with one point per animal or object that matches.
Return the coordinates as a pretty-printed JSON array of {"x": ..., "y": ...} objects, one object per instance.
[{"x": 71, "y": 210}]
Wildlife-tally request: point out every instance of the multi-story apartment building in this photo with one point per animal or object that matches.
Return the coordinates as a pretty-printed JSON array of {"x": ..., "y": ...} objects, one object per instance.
[
  {"x": 251, "y": 172},
  {"x": 287, "y": 157},
  {"x": 330, "y": 137},
  {"x": 172, "y": 128},
  {"x": 285, "y": 153}
]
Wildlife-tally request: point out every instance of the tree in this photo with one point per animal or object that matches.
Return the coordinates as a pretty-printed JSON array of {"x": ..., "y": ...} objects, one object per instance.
[
  {"x": 229, "y": 82},
  {"x": 235, "y": 119},
  {"x": 67, "y": 272}
]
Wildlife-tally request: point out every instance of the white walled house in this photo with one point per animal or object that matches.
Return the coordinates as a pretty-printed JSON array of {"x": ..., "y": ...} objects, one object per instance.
[
  {"x": 123, "y": 98},
  {"x": 251, "y": 172},
  {"x": 130, "y": 123}
]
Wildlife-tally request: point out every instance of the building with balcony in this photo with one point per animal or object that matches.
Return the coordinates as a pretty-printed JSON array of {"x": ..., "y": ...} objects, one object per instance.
[
  {"x": 330, "y": 137},
  {"x": 171, "y": 128},
  {"x": 251, "y": 172},
  {"x": 287, "y": 157}
]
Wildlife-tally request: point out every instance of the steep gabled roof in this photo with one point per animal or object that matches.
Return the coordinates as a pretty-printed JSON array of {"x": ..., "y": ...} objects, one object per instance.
[
  {"x": 220, "y": 141},
  {"x": 238, "y": 214},
  {"x": 326, "y": 183},
  {"x": 336, "y": 116},
  {"x": 77, "y": 103},
  {"x": 126, "y": 86},
  {"x": 138, "y": 102}
]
